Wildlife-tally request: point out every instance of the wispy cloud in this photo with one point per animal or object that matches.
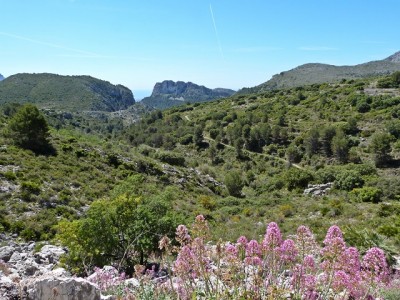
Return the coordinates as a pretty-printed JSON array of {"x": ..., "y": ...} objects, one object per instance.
[
  {"x": 373, "y": 42},
  {"x": 105, "y": 57},
  {"x": 257, "y": 49},
  {"x": 317, "y": 48},
  {"x": 216, "y": 33},
  {"x": 51, "y": 45}
]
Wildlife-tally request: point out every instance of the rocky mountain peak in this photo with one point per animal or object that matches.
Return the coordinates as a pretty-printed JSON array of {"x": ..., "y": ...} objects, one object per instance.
[
  {"x": 179, "y": 88},
  {"x": 1, "y": 77},
  {"x": 394, "y": 57},
  {"x": 170, "y": 93}
]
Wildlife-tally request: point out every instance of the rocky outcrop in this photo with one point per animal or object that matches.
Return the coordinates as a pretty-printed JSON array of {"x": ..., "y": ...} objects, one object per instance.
[
  {"x": 394, "y": 58},
  {"x": 170, "y": 93},
  {"x": 29, "y": 273},
  {"x": 61, "y": 288},
  {"x": 318, "y": 189}
]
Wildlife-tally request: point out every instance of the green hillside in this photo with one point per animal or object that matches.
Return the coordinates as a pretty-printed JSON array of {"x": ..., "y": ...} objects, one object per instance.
[
  {"x": 242, "y": 162},
  {"x": 320, "y": 73},
  {"x": 67, "y": 93},
  {"x": 267, "y": 148}
]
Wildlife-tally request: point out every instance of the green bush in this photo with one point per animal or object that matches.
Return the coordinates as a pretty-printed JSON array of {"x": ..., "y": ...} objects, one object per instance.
[
  {"x": 186, "y": 139},
  {"x": 389, "y": 209},
  {"x": 367, "y": 194},
  {"x": 234, "y": 183},
  {"x": 122, "y": 231},
  {"x": 348, "y": 180},
  {"x": 296, "y": 178},
  {"x": 29, "y": 189},
  {"x": 170, "y": 158},
  {"x": 28, "y": 129}
]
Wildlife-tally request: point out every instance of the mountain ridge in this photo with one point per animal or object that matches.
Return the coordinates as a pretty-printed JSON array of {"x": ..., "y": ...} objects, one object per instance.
[
  {"x": 317, "y": 73},
  {"x": 169, "y": 93},
  {"x": 71, "y": 93},
  {"x": 1, "y": 77}
]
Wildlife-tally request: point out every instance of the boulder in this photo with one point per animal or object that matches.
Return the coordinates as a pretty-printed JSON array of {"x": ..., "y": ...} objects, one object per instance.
[
  {"x": 318, "y": 189},
  {"x": 49, "y": 253},
  {"x": 8, "y": 289},
  {"x": 58, "y": 288},
  {"x": 6, "y": 252}
]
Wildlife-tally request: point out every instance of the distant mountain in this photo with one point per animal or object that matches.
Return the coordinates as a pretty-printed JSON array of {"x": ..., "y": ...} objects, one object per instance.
[
  {"x": 319, "y": 73},
  {"x": 169, "y": 93},
  {"x": 69, "y": 93},
  {"x": 1, "y": 77}
]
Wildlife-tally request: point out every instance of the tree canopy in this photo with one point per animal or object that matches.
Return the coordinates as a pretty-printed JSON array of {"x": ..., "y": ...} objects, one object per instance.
[
  {"x": 121, "y": 231},
  {"x": 28, "y": 129}
]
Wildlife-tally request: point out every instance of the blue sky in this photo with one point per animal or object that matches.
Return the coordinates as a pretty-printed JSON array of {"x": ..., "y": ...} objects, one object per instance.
[{"x": 216, "y": 43}]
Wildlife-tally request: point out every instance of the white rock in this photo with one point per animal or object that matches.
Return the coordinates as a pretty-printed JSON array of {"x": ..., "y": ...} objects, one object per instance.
[
  {"x": 132, "y": 282},
  {"x": 60, "y": 272},
  {"x": 62, "y": 289},
  {"x": 6, "y": 252},
  {"x": 15, "y": 257}
]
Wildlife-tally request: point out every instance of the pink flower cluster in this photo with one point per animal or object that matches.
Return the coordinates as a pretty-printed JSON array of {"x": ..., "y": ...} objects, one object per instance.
[
  {"x": 275, "y": 267},
  {"x": 272, "y": 268},
  {"x": 107, "y": 279}
]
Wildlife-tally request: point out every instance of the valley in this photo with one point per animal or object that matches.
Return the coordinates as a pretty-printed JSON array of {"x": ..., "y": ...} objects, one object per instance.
[{"x": 242, "y": 160}]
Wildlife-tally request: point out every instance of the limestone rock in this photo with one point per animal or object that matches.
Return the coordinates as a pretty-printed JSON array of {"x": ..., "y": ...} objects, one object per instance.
[
  {"x": 57, "y": 288},
  {"x": 6, "y": 252}
]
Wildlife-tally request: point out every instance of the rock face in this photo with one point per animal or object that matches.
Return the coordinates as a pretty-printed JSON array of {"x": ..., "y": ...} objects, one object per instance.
[{"x": 169, "y": 93}]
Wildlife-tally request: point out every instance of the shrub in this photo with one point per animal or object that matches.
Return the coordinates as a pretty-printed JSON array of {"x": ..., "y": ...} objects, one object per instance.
[
  {"x": 186, "y": 139},
  {"x": 121, "y": 231},
  {"x": 29, "y": 130},
  {"x": 348, "y": 180},
  {"x": 381, "y": 147},
  {"x": 234, "y": 183},
  {"x": 170, "y": 158},
  {"x": 207, "y": 202},
  {"x": 367, "y": 194},
  {"x": 296, "y": 178},
  {"x": 28, "y": 189}
]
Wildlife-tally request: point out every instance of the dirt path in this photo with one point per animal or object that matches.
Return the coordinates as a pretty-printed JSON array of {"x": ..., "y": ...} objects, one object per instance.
[{"x": 256, "y": 153}]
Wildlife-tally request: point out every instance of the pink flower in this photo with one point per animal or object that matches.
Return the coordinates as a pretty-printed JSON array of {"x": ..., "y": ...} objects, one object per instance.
[
  {"x": 182, "y": 234},
  {"x": 231, "y": 251},
  {"x": 332, "y": 252},
  {"x": 253, "y": 248},
  {"x": 341, "y": 281},
  {"x": 305, "y": 241},
  {"x": 375, "y": 268},
  {"x": 164, "y": 243},
  {"x": 309, "y": 262},
  {"x": 200, "y": 219},
  {"x": 333, "y": 232},
  {"x": 253, "y": 261},
  {"x": 242, "y": 241},
  {"x": 273, "y": 237},
  {"x": 184, "y": 262},
  {"x": 309, "y": 282},
  {"x": 288, "y": 251}
]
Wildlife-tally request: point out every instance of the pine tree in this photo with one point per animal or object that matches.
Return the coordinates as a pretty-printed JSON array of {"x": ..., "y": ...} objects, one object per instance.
[{"x": 28, "y": 129}]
